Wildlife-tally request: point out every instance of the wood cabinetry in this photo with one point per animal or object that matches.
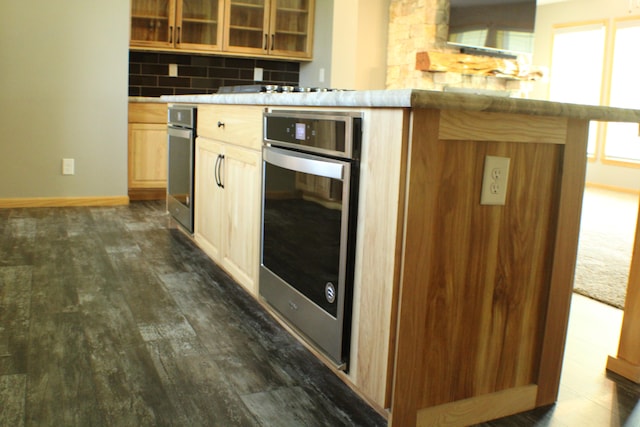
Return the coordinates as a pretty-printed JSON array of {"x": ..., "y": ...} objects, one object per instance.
[
  {"x": 177, "y": 24},
  {"x": 147, "y": 152},
  {"x": 269, "y": 27},
  {"x": 228, "y": 189},
  {"x": 485, "y": 290},
  {"x": 274, "y": 28}
]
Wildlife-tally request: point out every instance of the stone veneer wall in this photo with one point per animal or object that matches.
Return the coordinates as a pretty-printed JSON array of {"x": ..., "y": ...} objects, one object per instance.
[{"x": 422, "y": 25}]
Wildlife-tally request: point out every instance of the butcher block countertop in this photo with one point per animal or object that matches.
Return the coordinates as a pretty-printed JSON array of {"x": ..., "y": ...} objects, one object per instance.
[{"x": 414, "y": 98}]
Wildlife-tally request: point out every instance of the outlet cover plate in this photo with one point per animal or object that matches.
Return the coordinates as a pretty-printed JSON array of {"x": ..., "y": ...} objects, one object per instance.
[{"x": 494, "y": 180}]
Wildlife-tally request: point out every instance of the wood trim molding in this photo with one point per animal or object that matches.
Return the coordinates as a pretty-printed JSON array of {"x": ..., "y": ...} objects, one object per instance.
[
  {"x": 564, "y": 260},
  {"x": 624, "y": 368},
  {"x": 479, "y": 409},
  {"x": 57, "y": 202},
  {"x": 483, "y": 126}
]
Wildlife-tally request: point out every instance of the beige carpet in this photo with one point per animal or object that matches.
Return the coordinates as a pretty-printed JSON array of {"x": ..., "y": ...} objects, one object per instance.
[{"x": 607, "y": 232}]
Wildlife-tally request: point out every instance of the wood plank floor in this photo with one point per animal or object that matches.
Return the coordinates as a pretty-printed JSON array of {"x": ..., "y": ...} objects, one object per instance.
[{"x": 108, "y": 317}]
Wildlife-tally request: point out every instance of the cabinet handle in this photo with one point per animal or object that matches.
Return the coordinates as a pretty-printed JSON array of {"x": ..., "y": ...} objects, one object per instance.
[
  {"x": 266, "y": 41},
  {"x": 273, "y": 41},
  {"x": 170, "y": 34},
  {"x": 178, "y": 34},
  {"x": 220, "y": 124},
  {"x": 220, "y": 170},
  {"x": 215, "y": 170}
]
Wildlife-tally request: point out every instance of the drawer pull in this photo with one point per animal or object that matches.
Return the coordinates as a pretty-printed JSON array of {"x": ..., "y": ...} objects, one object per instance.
[{"x": 220, "y": 124}]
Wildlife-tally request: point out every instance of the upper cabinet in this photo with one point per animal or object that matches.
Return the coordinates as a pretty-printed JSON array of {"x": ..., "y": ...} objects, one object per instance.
[
  {"x": 265, "y": 28},
  {"x": 177, "y": 24},
  {"x": 269, "y": 27}
]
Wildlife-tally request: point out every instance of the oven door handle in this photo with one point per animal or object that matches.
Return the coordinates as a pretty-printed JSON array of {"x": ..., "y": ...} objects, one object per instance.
[{"x": 303, "y": 162}]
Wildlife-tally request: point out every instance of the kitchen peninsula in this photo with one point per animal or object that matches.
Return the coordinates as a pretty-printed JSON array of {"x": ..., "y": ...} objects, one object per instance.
[{"x": 460, "y": 308}]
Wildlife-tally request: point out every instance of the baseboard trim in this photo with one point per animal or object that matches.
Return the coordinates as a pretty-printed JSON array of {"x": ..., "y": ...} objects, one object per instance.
[
  {"x": 59, "y": 202},
  {"x": 624, "y": 368}
]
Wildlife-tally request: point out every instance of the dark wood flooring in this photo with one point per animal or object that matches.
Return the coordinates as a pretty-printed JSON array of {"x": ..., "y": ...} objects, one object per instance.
[{"x": 109, "y": 317}]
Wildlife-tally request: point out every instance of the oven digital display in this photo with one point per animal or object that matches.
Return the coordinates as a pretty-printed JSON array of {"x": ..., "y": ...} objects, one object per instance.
[{"x": 301, "y": 131}]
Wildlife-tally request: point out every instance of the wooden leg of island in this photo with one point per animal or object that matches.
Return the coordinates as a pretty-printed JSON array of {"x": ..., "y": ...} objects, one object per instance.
[{"x": 627, "y": 362}]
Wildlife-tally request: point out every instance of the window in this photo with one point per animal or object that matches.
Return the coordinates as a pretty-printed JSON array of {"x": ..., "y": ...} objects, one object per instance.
[
  {"x": 584, "y": 45},
  {"x": 623, "y": 142}
]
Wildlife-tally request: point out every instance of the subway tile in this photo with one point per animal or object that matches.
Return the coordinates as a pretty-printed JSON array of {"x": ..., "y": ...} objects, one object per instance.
[
  {"x": 148, "y": 73},
  {"x": 239, "y": 63},
  {"x": 202, "y": 83},
  {"x": 170, "y": 58},
  {"x": 207, "y": 61},
  {"x": 158, "y": 70},
  {"x": 134, "y": 68},
  {"x": 143, "y": 80},
  {"x": 144, "y": 57},
  {"x": 222, "y": 73},
  {"x": 174, "y": 81},
  {"x": 155, "y": 91},
  {"x": 194, "y": 91},
  {"x": 185, "y": 70}
]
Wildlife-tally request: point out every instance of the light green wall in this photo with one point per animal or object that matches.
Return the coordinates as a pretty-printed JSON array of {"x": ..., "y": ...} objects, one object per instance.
[{"x": 63, "y": 93}]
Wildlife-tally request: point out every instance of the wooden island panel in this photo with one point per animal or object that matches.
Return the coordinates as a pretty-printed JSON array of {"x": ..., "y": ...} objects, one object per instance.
[{"x": 478, "y": 282}]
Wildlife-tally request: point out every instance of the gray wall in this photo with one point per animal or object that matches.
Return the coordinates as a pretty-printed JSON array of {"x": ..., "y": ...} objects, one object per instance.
[
  {"x": 63, "y": 93},
  {"x": 322, "y": 48}
]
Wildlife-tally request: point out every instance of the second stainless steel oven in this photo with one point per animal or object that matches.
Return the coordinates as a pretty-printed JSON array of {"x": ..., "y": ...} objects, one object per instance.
[
  {"x": 310, "y": 198},
  {"x": 181, "y": 146}
]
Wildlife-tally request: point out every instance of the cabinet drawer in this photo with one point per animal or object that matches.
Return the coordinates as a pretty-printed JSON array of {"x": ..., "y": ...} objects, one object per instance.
[
  {"x": 235, "y": 124},
  {"x": 143, "y": 112}
]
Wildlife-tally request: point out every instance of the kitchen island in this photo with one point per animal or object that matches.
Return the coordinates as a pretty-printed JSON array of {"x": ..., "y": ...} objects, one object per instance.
[{"x": 460, "y": 308}]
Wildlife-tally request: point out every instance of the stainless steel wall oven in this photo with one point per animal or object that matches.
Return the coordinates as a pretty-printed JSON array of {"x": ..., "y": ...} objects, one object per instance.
[
  {"x": 181, "y": 145},
  {"x": 309, "y": 212}
]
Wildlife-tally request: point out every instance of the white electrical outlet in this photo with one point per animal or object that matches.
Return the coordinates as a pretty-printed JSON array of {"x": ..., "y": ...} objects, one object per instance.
[
  {"x": 258, "y": 74},
  {"x": 68, "y": 167},
  {"x": 494, "y": 181}
]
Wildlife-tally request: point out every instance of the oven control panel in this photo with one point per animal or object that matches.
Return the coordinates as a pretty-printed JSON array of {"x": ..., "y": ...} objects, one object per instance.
[{"x": 336, "y": 134}]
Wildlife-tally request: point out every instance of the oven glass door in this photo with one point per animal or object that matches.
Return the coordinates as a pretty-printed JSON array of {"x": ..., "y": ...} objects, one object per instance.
[{"x": 305, "y": 221}]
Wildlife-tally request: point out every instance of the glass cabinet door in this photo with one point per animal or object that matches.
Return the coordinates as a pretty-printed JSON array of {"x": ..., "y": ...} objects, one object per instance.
[
  {"x": 152, "y": 22},
  {"x": 247, "y": 26},
  {"x": 199, "y": 23},
  {"x": 290, "y": 27}
]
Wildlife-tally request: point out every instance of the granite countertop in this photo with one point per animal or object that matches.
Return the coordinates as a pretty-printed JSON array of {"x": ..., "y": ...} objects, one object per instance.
[
  {"x": 150, "y": 99},
  {"x": 414, "y": 98}
]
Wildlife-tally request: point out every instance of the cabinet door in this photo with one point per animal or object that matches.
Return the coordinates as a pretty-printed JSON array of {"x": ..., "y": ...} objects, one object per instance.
[
  {"x": 242, "y": 188},
  {"x": 152, "y": 23},
  {"x": 246, "y": 26},
  {"x": 209, "y": 205},
  {"x": 291, "y": 28},
  {"x": 199, "y": 24},
  {"x": 147, "y": 155}
]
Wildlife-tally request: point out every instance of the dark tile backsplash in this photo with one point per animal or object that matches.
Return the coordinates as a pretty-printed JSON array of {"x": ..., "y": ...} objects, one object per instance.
[{"x": 149, "y": 73}]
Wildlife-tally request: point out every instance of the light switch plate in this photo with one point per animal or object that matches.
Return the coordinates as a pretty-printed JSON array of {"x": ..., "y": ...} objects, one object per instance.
[{"x": 68, "y": 167}]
